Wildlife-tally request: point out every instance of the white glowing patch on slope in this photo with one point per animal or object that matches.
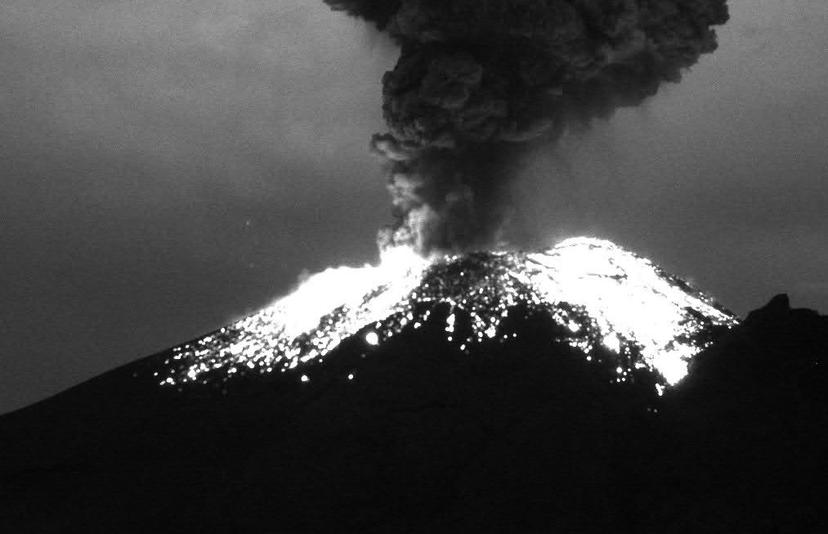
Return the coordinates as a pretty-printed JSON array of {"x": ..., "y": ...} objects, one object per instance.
[
  {"x": 600, "y": 293},
  {"x": 628, "y": 297},
  {"x": 276, "y": 328}
]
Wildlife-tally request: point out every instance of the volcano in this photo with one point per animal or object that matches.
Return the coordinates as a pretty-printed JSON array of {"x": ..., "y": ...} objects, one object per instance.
[
  {"x": 575, "y": 389},
  {"x": 596, "y": 294}
]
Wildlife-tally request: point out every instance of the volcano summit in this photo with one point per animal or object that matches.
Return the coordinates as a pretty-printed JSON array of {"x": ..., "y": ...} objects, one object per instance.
[{"x": 597, "y": 294}]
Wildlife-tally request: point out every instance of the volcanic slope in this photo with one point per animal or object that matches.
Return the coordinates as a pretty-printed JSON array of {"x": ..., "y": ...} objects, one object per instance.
[
  {"x": 603, "y": 295},
  {"x": 523, "y": 432}
]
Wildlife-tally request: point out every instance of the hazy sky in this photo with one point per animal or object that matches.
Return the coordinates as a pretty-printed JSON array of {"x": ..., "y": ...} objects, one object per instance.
[{"x": 169, "y": 166}]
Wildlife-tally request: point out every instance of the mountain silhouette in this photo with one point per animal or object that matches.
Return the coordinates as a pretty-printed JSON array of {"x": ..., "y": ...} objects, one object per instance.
[{"x": 526, "y": 431}]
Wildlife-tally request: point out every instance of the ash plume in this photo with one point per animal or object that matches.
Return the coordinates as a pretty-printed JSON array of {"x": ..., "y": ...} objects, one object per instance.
[{"x": 481, "y": 82}]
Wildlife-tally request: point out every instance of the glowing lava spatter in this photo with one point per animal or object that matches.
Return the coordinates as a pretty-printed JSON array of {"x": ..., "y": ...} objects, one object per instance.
[{"x": 603, "y": 296}]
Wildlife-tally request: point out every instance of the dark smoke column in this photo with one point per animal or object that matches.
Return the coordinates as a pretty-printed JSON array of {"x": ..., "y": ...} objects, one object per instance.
[{"x": 480, "y": 82}]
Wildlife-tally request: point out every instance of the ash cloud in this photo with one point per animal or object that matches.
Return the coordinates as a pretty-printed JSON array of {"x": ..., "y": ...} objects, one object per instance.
[{"x": 481, "y": 82}]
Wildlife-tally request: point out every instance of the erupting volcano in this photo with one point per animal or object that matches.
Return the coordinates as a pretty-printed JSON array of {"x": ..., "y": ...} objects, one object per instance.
[
  {"x": 461, "y": 384},
  {"x": 600, "y": 296},
  {"x": 478, "y": 85}
]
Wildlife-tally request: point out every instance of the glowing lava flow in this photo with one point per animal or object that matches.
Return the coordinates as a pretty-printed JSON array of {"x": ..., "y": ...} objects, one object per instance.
[{"x": 603, "y": 295}]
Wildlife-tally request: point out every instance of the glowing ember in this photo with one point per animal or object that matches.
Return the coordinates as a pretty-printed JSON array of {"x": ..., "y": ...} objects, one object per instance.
[{"x": 602, "y": 295}]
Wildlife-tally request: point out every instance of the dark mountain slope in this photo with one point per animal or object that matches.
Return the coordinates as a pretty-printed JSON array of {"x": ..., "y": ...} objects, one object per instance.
[{"x": 521, "y": 436}]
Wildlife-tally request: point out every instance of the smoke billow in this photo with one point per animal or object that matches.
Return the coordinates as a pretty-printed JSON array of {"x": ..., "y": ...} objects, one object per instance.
[{"x": 480, "y": 82}]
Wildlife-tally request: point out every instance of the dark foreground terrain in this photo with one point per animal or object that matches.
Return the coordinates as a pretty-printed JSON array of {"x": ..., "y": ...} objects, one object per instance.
[{"x": 524, "y": 436}]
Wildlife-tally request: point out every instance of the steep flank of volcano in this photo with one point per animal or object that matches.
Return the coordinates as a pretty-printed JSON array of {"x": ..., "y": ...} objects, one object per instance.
[{"x": 414, "y": 435}]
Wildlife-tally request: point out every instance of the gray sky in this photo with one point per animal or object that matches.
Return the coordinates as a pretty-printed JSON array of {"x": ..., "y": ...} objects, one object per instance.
[{"x": 169, "y": 166}]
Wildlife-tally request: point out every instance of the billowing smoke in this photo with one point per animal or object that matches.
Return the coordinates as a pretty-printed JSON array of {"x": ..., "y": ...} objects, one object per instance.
[{"x": 480, "y": 82}]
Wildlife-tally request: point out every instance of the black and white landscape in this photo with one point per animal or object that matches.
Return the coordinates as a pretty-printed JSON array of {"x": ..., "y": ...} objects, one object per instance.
[
  {"x": 563, "y": 321},
  {"x": 415, "y": 435}
]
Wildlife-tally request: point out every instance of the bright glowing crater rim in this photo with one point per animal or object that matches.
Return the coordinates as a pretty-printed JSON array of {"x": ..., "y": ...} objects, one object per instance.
[{"x": 603, "y": 295}]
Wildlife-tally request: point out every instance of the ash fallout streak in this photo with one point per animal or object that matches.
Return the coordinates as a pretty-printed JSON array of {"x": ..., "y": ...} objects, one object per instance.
[{"x": 480, "y": 83}]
